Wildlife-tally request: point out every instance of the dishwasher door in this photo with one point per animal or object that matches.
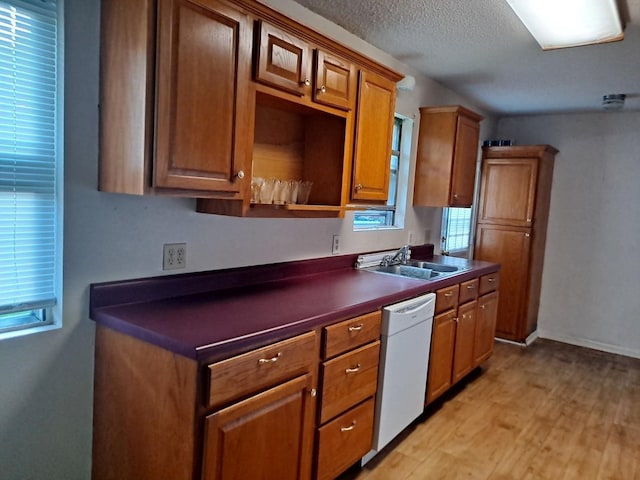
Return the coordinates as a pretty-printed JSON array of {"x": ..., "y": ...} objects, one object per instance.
[{"x": 404, "y": 363}]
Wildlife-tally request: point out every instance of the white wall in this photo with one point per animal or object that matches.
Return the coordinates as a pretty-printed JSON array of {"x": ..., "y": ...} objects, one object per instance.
[
  {"x": 592, "y": 267},
  {"x": 46, "y": 380}
]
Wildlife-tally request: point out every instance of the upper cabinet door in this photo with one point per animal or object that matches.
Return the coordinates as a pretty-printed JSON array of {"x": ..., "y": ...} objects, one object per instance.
[
  {"x": 335, "y": 83},
  {"x": 446, "y": 157},
  {"x": 374, "y": 127},
  {"x": 508, "y": 190},
  {"x": 464, "y": 164},
  {"x": 202, "y": 96},
  {"x": 283, "y": 61}
]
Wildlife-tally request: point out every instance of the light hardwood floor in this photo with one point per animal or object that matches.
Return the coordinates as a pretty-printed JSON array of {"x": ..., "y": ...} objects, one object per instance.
[{"x": 550, "y": 411}]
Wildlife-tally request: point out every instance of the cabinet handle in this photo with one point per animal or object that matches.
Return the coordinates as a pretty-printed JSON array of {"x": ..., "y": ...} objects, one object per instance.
[
  {"x": 349, "y": 428},
  {"x": 483, "y": 306},
  {"x": 355, "y": 328},
  {"x": 359, "y": 187},
  {"x": 306, "y": 82},
  {"x": 491, "y": 279},
  {"x": 354, "y": 369},
  {"x": 240, "y": 174},
  {"x": 471, "y": 287},
  {"x": 456, "y": 319},
  {"x": 323, "y": 89},
  {"x": 528, "y": 220},
  {"x": 448, "y": 294},
  {"x": 273, "y": 359}
]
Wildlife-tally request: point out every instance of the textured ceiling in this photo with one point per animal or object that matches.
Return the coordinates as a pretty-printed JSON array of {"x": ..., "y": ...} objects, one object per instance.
[{"x": 481, "y": 50}]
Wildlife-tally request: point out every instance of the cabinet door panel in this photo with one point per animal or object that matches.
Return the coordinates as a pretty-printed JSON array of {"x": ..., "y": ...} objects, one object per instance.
[
  {"x": 464, "y": 165},
  {"x": 485, "y": 327},
  {"x": 511, "y": 248},
  {"x": 284, "y": 60},
  {"x": 202, "y": 95},
  {"x": 374, "y": 126},
  {"x": 465, "y": 339},
  {"x": 264, "y": 436},
  {"x": 508, "y": 191},
  {"x": 441, "y": 355},
  {"x": 335, "y": 81}
]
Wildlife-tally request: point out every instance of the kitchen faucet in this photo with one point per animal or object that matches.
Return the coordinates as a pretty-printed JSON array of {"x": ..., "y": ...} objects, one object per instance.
[{"x": 401, "y": 256}]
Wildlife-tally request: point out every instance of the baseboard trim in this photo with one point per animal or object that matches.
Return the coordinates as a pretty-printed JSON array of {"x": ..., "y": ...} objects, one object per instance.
[
  {"x": 582, "y": 342},
  {"x": 531, "y": 338},
  {"x": 510, "y": 342}
]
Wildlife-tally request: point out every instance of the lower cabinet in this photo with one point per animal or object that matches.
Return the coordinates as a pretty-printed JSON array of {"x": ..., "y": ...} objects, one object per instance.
[
  {"x": 262, "y": 436},
  {"x": 463, "y": 332},
  {"x": 298, "y": 409},
  {"x": 349, "y": 378}
]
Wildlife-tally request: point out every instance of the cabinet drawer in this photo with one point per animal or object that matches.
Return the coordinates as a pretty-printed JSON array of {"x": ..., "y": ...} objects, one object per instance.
[
  {"x": 349, "y": 379},
  {"x": 344, "y": 440},
  {"x": 447, "y": 298},
  {"x": 261, "y": 368},
  {"x": 350, "y": 334},
  {"x": 489, "y": 283},
  {"x": 468, "y": 291}
]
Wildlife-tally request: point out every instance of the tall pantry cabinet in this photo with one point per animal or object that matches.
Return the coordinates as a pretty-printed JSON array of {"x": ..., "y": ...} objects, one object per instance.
[{"x": 513, "y": 210}]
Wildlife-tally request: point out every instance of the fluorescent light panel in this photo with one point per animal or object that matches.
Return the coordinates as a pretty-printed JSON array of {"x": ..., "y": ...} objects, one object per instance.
[{"x": 569, "y": 23}]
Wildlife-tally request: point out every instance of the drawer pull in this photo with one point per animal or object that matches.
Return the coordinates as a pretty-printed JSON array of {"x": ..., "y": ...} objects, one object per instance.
[
  {"x": 491, "y": 279},
  {"x": 471, "y": 287},
  {"x": 354, "y": 369},
  {"x": 448, "y": 294},
  {"x": 349, "y": 428},
  {"x": 355, "y": 328},
  {"x": 273, "y": 359}
]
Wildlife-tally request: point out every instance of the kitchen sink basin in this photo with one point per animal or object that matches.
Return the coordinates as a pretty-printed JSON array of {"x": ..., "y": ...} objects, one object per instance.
[
  {"x": 419, "y": 269},
  {"x": 436, "y": 267},
  {"x": 408, "y": 271}
]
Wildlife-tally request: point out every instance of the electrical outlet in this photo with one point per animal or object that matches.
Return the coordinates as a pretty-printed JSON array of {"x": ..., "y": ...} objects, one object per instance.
[
  {"x": 174, "y": 256},
  {"x": 335, "y": 248}
]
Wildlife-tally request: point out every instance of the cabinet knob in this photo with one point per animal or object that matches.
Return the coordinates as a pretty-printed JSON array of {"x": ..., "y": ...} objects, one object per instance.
[
  {"x": 306, "y": 82},
  {"x": 240, "y": 174},
  {"x": 273, "y": 359},
  {"x": 313, "y": 392},
  {"x": 359, "y": 187},
  {"x": 354, "y": 369},
  {"x": 483, "y": 306},
  {"x": 323, "y": 89},
  {"x": 349, "y": 428},
  {"x": 527, "y": 235},
  {"x": 455, "y": 195}
]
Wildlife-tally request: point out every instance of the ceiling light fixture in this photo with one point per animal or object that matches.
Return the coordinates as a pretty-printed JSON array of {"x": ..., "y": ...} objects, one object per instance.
[
  {"x": 614, "y": 101},
  {"x": 569, "y": 23}
]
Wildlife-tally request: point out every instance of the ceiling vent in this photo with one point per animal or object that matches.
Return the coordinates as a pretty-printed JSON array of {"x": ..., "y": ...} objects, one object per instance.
[{"x": 613, "y": 101}]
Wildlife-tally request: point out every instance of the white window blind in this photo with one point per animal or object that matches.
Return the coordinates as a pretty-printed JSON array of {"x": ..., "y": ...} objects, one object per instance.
[
  {"x": 456, "y": 228},
  {"x": 28, "y": 50}
]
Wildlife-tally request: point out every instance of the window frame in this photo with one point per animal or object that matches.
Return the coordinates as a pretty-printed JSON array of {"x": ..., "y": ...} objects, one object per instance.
[{"x": 35, "y": 319}]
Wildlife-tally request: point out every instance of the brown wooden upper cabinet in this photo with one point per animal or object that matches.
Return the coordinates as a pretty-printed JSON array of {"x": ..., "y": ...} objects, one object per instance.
[
  {"x": 203, "y": 55},
  {"x": 197, "y": 98},
  {"x": 446, "y": 157},
  {"x": 374, "y": 127},
  {"x": 284, "y": 61}
]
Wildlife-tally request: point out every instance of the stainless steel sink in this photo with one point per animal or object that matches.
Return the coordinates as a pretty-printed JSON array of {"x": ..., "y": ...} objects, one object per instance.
[
  {"x": 419, "y": 269},
  {"x": 436, "y": 267},
  {"x": 408, "y": 271}
]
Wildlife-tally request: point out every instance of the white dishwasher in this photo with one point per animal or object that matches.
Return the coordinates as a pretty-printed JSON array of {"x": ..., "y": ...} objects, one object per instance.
[{"x": 404, "y": 363}]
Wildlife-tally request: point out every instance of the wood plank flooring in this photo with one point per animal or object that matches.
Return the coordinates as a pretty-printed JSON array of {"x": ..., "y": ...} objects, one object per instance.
[{"x": 550, "y": 411}]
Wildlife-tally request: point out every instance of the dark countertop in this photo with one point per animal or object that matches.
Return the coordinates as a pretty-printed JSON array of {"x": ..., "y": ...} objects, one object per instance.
[{"x": 212, "y": 315}]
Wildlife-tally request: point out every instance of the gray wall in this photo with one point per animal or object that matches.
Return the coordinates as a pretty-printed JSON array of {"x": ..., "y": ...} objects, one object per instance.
[
  {"x": 47, "y": 379},
  {"x": 592, "y": 267}
]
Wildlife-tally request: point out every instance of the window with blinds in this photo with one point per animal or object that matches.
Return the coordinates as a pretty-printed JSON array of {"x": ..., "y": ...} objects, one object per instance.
[
  {"x": 456, "y": 229},
  {"x": 28, "y": 150}
]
